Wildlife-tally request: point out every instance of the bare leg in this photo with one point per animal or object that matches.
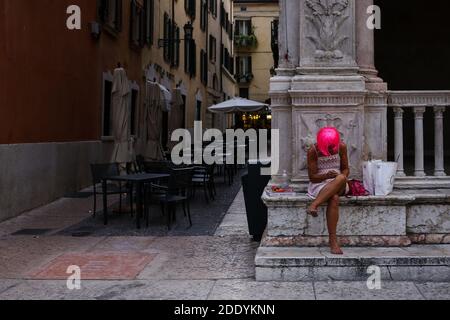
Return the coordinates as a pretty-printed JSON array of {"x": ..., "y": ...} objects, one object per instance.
[
  {"x": 335, "y": 187},
  {"x": 332, "y": 222}
]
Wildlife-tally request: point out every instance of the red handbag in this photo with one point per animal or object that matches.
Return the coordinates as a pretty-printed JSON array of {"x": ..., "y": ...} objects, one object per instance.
[{"x": 356, "y": 189}]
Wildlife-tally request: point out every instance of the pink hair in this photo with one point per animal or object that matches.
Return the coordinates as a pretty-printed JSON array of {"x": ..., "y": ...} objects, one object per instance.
[{"x": 328, "y": 138}]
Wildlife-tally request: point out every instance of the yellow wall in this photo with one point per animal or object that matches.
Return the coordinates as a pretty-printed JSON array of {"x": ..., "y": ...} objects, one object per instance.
[
  {"x": 262, "y": 15},
  {"x": 155, "y": 55}
]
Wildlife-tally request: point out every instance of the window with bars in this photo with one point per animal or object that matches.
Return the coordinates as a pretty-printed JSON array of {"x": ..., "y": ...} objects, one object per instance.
[
  {"x": 244, "y": 72},
  {"x": 243, "y": 27}
]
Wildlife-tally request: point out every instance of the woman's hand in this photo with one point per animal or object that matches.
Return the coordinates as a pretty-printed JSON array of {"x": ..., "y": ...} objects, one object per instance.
[{"x": 332, "y": 174}]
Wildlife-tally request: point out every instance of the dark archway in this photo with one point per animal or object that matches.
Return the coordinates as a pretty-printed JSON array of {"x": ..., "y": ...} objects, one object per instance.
[{"x": 412, "y": 52}]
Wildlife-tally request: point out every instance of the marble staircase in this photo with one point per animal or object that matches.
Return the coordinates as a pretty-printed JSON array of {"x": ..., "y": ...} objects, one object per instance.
[{"x": 406, "y": 234}]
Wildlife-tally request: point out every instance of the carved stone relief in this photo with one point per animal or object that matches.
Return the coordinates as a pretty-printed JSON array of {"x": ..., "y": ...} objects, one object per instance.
[
  {"x": 327, "y": 33},
  {"x": 307, "y": 123}
]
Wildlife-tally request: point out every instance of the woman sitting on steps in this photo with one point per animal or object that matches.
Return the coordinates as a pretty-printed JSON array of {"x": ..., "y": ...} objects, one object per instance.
[{"x": 328, "y": 169}]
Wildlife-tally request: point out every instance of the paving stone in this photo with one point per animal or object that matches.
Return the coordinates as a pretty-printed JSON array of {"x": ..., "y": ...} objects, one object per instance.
[
  {"x": 128, "y": 244},
  {"x": 201, "y": 258},
  {"x": 28, "y": 253},
  {"x": 251, "y": 290},
  {"x": 360, "y": 291},
  {"x": 43, "y": 290},
  {"x": 95, "y": 266},
  {"x": 6, "y": 284},
  {"x": 435, "y": 290},
  {"x": 233, "y": 224},
  {"x": 165, "y": 290}
]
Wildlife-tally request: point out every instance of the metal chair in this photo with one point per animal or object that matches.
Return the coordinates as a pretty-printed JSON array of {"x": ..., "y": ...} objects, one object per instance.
[
  {"x": 179, "y": 191},
  {"x": 101, "y": 171},
  {"x": 204, "y": 177}
]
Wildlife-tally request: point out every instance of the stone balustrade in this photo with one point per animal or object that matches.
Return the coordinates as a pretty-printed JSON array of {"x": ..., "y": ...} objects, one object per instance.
[{"x": 419, "y": 102}]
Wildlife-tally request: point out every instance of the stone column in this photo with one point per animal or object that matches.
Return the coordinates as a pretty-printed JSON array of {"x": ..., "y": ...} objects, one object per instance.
[
  {"x": 419, "y": 170},
  {"x": 282, "y": 35},
  {"x": 293, "y": 23},
  {"x": 288, "y": 39},
  {"x": 399, "y": 141},
  {"x": 365, "y": 47},
  {"x": 282, "y": 120},
  {"x": 439, "y": 170}
]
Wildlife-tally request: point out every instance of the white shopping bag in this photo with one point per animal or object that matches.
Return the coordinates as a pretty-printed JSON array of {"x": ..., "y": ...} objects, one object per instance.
[
  {"x": 369, "y": 171},
  {"x": 384, "y": 178}
]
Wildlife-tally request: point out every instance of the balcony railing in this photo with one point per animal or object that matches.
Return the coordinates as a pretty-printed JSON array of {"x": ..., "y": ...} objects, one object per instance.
[
  {"x": 244, "y": 78},
  {"x": 245, "y": 41},
  {"x": 419, "y": 102}
]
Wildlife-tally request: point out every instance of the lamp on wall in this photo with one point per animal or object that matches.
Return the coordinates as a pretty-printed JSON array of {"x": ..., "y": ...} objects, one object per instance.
[
  {"x": 188, "y": 36},
  {"x": 96, "y": 30}
]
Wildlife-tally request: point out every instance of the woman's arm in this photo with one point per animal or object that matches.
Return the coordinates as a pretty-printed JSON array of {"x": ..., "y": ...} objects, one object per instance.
[
  {"x": 314, "y": 177},
  {"x": 345, "y": 168}
]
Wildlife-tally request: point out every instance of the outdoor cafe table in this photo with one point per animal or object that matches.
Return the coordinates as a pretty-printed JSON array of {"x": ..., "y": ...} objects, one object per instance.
[{"x": 136, "y": 179}]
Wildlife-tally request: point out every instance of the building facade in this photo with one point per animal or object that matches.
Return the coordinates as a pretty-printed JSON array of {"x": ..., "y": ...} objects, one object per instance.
[
  {"x": 256, "y": 46},
  {"x": 200, "y": 68},
  {"x": 55, "y": 114}
]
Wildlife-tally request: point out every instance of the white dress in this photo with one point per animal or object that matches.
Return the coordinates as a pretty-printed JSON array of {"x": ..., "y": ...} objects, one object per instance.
[{"x": 324, "y": 165}]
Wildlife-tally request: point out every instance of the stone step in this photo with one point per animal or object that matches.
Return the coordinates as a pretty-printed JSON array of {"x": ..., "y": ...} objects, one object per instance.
[
  {"x": 402, "y": 218},
  {"x": 415, "y": 263}
]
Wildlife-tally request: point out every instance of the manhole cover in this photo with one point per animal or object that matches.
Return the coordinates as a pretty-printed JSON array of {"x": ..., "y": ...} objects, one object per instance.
[
  {"x": 82, "y": 232},
  {"x": 79, "y": 195},
  {"x": 31, "y": 232}
]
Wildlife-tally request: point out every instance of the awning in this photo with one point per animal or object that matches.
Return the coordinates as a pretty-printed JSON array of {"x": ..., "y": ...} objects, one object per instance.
[{"x": 238, "y": 105}]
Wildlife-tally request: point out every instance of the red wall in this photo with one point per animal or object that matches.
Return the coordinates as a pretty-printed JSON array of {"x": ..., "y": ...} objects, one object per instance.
[{"x": 51, "y": 77}]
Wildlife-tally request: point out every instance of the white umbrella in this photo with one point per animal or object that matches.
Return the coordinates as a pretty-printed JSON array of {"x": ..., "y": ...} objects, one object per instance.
[
  {"x": 121, "y": 116},
  {"x": 238, "y": 105}
]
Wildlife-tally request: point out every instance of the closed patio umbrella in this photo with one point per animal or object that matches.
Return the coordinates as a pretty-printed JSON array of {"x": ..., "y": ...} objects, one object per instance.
[
  {"x": 238, "y": 105},
  {"x": 121, "y": 117},
  {"x": 150, "y": 120}
]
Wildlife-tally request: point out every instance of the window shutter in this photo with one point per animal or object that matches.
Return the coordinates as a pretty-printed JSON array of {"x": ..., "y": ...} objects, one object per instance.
[
  {"x": 193, "y": 59},
  {"x": 102, "y": 10},
  {"x": 231, "y": 65},
  {"x": 119, "y": 14},
  {"x": 148, "y": 8},
  {"x": 186, "y": 62},
  {"x": 250, "y": 68},
  {"x": 238, "y": 66},
  {"x": 132, "y": 21},
  {"x": 237, "y": 28},
  {"x": 177, "y": 47},
  {"x": 141, "y": 28},
  {"x": 249, "y": 27}
]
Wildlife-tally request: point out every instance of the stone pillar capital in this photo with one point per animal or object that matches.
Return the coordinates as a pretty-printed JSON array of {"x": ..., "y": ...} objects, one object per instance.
[
  {"x": 439, "y": 112},
  {"x": 418, "y": 112},
  {"x": 398, "y": 112}
]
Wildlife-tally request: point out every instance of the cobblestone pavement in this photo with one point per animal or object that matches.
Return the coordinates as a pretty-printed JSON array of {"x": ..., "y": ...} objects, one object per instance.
[{"x": 219, "y": 266}]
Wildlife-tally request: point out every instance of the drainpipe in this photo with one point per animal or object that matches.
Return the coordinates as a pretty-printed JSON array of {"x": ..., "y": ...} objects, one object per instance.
[
  {"x": 221, "y": 51},
  {"x": 172, "y": 36}
]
